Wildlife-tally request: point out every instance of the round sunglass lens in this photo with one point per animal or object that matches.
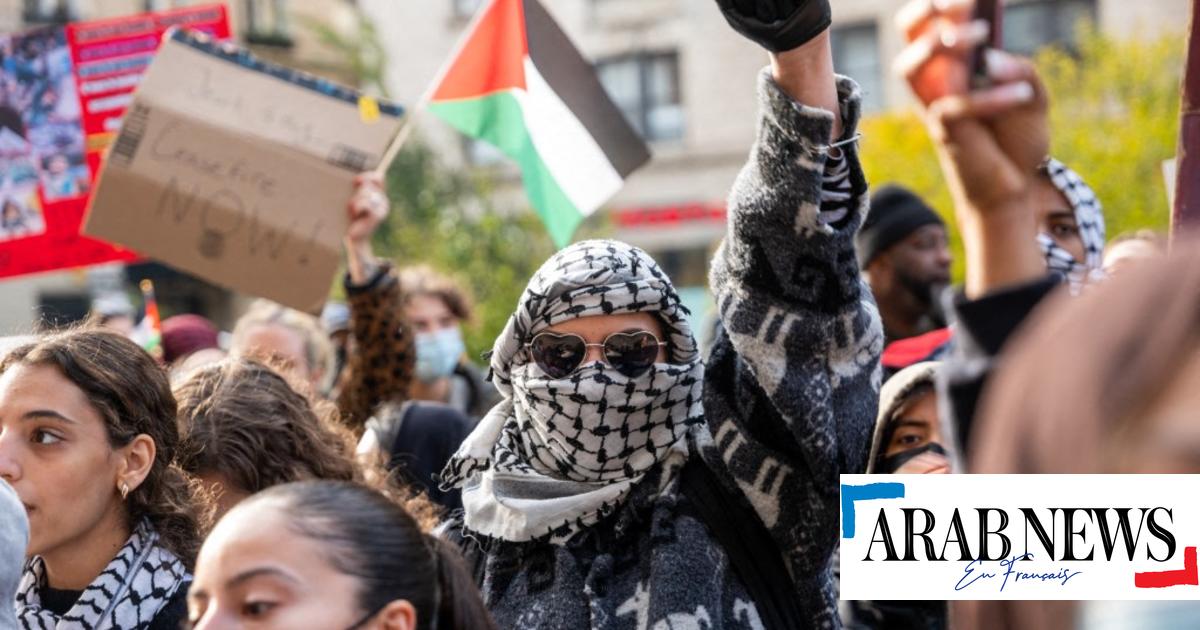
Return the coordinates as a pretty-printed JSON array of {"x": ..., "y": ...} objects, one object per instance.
[{"x": 557, "y": 356}]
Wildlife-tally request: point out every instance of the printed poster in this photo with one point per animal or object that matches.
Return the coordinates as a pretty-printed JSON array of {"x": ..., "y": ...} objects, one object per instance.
[{"x": 63, "y": 93}]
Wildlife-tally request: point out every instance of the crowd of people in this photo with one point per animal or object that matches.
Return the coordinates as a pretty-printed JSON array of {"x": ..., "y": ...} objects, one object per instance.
[{"x": 355, "y": 471}]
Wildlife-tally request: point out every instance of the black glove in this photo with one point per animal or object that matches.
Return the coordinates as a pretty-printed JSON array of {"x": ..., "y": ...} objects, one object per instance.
[{"x": 777, "y": 25}]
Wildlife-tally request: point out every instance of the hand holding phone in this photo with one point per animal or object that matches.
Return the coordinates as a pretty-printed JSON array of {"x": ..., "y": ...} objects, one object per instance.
[
  {"x": 947, "y": 43},
  {"x": 990, "y": 12}
]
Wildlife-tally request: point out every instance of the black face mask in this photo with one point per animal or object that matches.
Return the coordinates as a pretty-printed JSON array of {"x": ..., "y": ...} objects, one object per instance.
[{"x": 889, "y": 465}]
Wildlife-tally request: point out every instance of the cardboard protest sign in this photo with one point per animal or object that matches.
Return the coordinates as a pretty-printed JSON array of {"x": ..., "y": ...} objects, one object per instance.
[
  {"x": 239, "y": 171},
  {"x": 63, "y": 92}
]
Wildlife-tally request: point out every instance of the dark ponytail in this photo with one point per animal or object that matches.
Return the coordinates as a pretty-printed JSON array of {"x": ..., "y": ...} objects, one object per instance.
[
  {"x": 376, "y": 540},
  {"x": 460, "y": 604}
]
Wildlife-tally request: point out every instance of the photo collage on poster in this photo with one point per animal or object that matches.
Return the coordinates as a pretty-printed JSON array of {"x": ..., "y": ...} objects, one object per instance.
[{"x": 41, "y": 140}]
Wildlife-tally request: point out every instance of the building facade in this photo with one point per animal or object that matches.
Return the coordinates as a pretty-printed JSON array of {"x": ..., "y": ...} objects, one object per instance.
[
  {"x": 683, "y": 78},
  {"x": 686, "y": 81}
]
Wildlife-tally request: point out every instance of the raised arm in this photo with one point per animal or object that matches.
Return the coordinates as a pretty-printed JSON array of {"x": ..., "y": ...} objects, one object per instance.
[
  {"x": 381, "y": 362},
  {"x": 792, "y": 384},
  {"x": 990, "y": 143}
]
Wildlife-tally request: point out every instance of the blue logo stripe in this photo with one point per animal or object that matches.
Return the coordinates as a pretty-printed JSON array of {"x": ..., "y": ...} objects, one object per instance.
[{"x": 850, "y": 494}]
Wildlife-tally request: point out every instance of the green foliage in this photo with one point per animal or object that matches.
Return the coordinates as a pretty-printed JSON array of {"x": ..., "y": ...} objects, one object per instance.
[
  {"x": 443, "y": 218},
  {"x": 1114, "y": 119},
  {"x": 362, "y": 49}
]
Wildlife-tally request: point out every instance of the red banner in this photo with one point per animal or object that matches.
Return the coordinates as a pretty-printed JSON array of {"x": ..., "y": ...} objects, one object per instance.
[{"x": 63, "y": 92}]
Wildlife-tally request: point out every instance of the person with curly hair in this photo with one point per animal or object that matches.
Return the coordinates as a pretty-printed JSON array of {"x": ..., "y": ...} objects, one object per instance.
[
  {"x": 87, "y": 440},
  {"x": 246, "y": 429}
]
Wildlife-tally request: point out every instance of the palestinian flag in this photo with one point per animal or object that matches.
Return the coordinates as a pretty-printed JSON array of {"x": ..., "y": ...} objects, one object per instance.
[{"x": 519, "y": 84}]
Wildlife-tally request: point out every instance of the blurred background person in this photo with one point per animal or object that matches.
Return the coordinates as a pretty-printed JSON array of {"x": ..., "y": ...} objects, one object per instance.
[
  {"x": 1070, "y": 219},
  {"x": 335, "y": 321},
  {"x": 14, "y": 539},
  {"x": 285, "y": 338},
  {"x": 115, "y": 312},
  {"x": 412, "y": 438},
  {"x": 904, "y": 252},
  {"x": 905, "y": 257},
  {"x": 186, "y": 335},
  {"x": 437, "y": 308},
  {"x": 244, "y": 429},
  {"x": 1130, "y": 248},
  {"x": 911, "y": 437}
]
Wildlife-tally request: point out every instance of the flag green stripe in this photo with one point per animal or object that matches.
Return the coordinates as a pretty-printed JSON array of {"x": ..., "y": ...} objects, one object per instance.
[{"x": 497, "y": 118}]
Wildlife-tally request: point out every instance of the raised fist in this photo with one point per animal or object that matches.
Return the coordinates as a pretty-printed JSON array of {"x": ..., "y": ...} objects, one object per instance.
[{"x": 777, "y": 25}]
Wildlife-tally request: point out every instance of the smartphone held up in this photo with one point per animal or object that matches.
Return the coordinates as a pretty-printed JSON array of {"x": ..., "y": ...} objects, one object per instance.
[
  {"x": 958, "y": 34},
  {"x": 989, "y": 12}
]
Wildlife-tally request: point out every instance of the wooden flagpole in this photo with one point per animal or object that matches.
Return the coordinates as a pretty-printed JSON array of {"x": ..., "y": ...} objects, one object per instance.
[{"x": 406, "y": 129}]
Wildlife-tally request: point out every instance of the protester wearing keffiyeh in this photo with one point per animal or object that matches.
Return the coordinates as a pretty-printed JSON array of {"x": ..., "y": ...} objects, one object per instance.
[
  {"x": 575, "y": 508},
  {"x": 554, "y": 457},
  {"x": 1089, "y": 215}
]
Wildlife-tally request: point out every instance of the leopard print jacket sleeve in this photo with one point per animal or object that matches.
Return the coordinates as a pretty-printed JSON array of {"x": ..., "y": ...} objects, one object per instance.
[{"x": 381, "y": 363}]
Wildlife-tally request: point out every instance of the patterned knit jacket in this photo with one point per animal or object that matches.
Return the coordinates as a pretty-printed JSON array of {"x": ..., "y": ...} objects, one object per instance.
[{"x": 791, "y": 390}]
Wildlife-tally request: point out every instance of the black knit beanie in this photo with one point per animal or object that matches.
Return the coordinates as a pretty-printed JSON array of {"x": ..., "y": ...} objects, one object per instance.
[{"x": 895, "y": 213}]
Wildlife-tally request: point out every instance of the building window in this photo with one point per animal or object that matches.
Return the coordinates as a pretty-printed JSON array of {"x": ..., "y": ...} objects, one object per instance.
[
  {"x": 50, "y": 11},
  {"x": 1029, "y": 26},
  {"x": 464, "y": 8},
  {"x": 267, "y": 23},
  {"x": 856, "y": 55},
  {"x": 646, "y": 88}
]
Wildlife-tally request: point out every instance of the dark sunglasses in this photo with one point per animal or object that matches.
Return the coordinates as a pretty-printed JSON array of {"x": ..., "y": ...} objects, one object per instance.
[{"x": 630, "y": 353}]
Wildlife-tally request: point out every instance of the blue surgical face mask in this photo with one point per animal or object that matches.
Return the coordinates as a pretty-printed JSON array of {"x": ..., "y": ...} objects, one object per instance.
[{"x": 438, "y": 353}]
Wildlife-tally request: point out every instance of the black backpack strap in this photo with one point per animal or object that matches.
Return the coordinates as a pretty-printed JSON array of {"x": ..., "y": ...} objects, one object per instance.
[{"x": 751, "y": 550}]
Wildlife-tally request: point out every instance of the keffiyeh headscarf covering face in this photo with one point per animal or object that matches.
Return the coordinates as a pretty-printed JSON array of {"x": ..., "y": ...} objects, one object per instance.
[
  {"x": 556, "y": 455},
  {"x": 1090, "y": 217}
]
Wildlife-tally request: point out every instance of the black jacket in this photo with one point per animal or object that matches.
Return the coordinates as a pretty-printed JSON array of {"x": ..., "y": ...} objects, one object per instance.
[
  {"x": 419, "y": 438},
  {"x": 982, "y": 327}
]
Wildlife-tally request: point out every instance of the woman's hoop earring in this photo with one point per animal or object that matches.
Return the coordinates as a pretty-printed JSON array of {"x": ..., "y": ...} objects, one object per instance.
[{"x": 124, "y": 490}]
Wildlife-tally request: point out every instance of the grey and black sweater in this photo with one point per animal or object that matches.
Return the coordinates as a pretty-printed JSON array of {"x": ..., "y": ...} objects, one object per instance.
[{"x": 791, "y": 390}]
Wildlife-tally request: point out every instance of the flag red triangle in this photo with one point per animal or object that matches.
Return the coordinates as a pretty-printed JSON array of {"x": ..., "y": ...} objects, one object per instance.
[{"x": 493, "y": 57}]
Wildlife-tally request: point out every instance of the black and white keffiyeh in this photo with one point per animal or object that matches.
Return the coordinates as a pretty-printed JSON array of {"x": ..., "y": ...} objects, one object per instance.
[
  {"x": 1089, "y": 215},
  {"x": 557, "y": 455},
  {"x": 128, "y": 593}
]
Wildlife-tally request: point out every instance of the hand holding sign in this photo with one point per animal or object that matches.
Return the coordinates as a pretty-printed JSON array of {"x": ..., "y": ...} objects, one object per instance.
[{"x": 367, "y": 210}]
